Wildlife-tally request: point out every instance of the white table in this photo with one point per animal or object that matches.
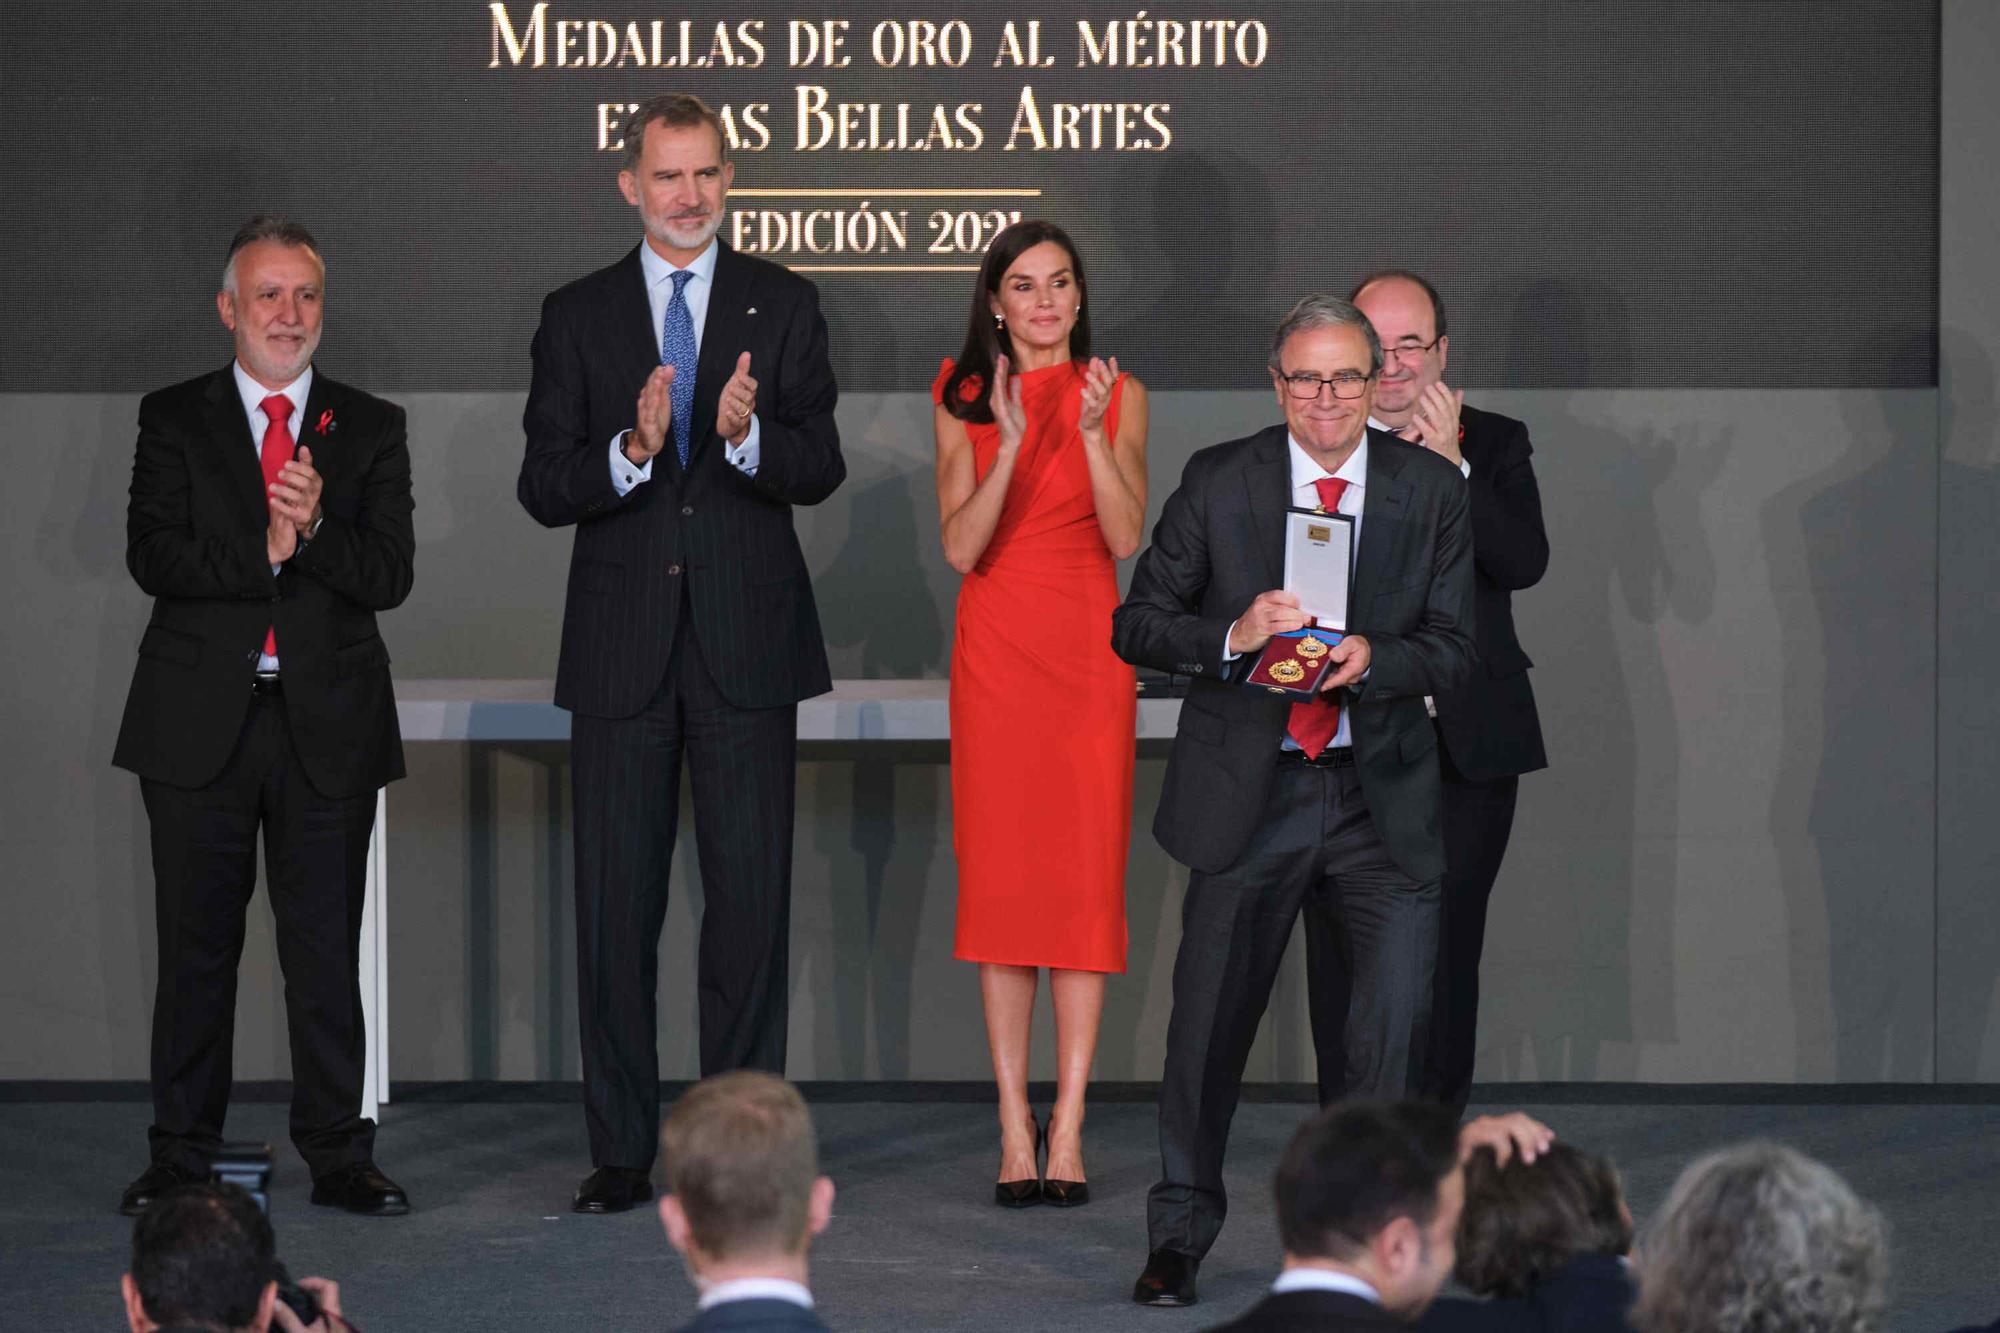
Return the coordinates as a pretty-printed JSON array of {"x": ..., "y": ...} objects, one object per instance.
[{"x": 524, "y": 710}]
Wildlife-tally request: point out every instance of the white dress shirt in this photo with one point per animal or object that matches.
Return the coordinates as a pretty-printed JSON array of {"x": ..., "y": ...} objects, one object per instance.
[
  {"x": 253, "y": 395},
  {"x": 1305, "y": 495},
  {"x": 626, "y": 475},
  {"x": 756, "y": 1289},
  {"x": 1324, "y": 1279}
]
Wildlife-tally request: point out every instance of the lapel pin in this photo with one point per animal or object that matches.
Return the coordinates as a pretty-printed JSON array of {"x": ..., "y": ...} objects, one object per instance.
[
  {"x": 751, "y": 311},
  {"x": 326, "y": 425}
]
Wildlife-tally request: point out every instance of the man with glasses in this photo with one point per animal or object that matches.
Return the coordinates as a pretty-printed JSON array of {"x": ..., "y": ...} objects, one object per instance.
[
  {"x": 1488, "y": 731},
  {"x": 1276, "y": 805}
]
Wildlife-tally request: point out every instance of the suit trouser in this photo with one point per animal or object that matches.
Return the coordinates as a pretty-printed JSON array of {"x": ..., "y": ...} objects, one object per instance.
[
  {"x": 626, "y": 790},
  {"x": 204, "y": 870},
  {"x": 1315, "y": 845},
  {"x": 1478, "y": 818}
]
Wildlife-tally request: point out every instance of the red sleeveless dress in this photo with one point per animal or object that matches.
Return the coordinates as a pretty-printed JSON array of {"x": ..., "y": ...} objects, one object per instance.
[{"x": 1042, "y": 711}]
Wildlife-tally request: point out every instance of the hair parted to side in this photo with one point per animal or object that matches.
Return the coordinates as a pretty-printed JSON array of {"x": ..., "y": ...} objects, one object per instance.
[
  {"x": 679, "y": 111},
  {"x": 1320, "y": 311},
  {"x": 268, "y": 227},
  {"x": 202, "y": 1255},
  {"x": 1761, "y": 1239},
  {"x": 1384, "y": 274},
  {"x": 1523, "y": 1222},
  {"x": 983, "y": 341},
  {"x": 1354, "y": 1168},
  {"x": 741, "y": 1157}
]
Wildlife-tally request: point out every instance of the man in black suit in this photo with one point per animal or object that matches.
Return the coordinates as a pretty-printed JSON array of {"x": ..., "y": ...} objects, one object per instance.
[
  {"x": 682, "y": 403},
  {"x": 270, "y": 521},
  {"x": 1275, "y": 805},
  {"x": 1488, "y": 731},
  {"x": 745, "y": 1199},
  {"x": 1368, "y": 1199}
]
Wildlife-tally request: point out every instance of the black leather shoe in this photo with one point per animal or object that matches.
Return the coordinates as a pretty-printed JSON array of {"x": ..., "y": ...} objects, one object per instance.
[
  {"x": 612, "y": 1189},
  {"x": 1065, "y": 1193},
  {"x": 1023, "y": 1193},
  {"x": 154, "y": 1181},
  {"x": 1168, "y": 1279},
  {"x": 363, "y": 1189}
]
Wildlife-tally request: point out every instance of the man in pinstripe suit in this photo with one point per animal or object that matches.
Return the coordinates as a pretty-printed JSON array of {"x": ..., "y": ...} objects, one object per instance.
[{"x": 682, "y": 403}]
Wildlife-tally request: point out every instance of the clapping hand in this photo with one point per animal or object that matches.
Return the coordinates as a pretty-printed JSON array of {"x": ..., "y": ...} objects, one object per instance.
[
  {"x": 1005, "y": 400},
  {"x": 737, "y": 404},
  {"x": 655, "y": 415},
  {"x": 1436, "y": 422},
  {"x": 1098, "y": 380}
]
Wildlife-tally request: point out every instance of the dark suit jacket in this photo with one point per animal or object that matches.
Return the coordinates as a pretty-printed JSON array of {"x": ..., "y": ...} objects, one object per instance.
[
  {"x": 1218, "y": 544},
  {"x": 726, "y": 536},
  {"x": 1590, "y": 1294},
  {"x": 756, "y": 1316},
  {"x": 194, "y": 537},
  {"x": 1489, "y": 723},
  {"x": 1314, "y": 1311}
]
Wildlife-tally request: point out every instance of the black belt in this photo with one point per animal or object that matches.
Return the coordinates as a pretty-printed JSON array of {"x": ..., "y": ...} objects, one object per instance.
[
  {"x": 1342, "y": 757},
  {"x": 266, "y": 683}
]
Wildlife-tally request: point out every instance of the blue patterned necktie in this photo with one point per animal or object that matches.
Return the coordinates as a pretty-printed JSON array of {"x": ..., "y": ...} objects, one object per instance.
[{"x": 677, "y": 350}]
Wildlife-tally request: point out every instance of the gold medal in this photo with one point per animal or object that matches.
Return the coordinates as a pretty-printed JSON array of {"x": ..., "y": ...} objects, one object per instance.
[
  {"x": 1311, "y": 648},
  {"x": 1288, "y": 671}
]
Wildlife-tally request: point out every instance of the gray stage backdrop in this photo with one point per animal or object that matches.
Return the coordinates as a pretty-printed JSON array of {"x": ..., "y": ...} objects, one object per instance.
[{"x": 1766, "y": 849}]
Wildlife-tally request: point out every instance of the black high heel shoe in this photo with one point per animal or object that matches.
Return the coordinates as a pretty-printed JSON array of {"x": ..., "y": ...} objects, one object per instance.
[
  {"x": 1065, "y": 1193},
  {"x": 1023, "y": 1193}
]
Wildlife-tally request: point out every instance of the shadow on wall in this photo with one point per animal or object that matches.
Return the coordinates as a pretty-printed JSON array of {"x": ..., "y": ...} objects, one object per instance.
[
  {"x": 127, "y": 956},
  {"x": 1857, "y": 775},
  {"x": 1968, "y": 979},
  {"x": 1599, "y": 829},
  {"x": 1209, "y": 217}
]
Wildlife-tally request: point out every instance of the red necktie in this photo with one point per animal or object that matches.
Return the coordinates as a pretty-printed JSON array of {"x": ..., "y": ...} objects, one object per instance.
[
  {"x": 277, "y": 452},
  {"x": 1313, "y": 724}
]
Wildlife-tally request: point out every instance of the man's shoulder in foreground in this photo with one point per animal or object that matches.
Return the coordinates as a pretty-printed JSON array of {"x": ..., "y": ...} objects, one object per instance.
[
  {"x": 767, "y": 275},
  {"x": 1234, "y": 455},
  {"x": 1413, "y": 460},
  {"x": 1312, "y": 1312},
  {"x": 755, "y": 1316}
]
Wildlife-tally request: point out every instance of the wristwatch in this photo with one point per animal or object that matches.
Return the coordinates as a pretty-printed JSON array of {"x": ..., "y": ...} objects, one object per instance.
[{"x": 308, "y": 533}]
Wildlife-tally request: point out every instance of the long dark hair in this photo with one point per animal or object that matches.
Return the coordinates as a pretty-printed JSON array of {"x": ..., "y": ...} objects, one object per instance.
[{"x": 982, "y": 338}]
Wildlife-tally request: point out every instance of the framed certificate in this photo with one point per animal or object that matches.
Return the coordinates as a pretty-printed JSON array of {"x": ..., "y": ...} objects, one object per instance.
[{"x": 1319, "y": 563}]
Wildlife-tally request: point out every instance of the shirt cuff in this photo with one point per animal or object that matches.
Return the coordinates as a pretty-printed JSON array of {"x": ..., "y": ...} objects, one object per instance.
[
  {"x": 1228, "y": 656},
  {"x": 626, "y": 476},
  {"x": 744, "y": 457}
]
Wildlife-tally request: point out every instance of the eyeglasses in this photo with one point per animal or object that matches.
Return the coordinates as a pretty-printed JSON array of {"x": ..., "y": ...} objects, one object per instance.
[
  {"x": 1346, "y": 384},
  {"x": 1409, "y": 351}
]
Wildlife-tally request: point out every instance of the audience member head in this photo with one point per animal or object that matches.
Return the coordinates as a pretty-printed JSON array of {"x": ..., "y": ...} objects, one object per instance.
[
  {"x": 745, "y": 1196},
  {"x": 1761, "y": 1239},
  {"x": 1374, "y": 1191},
  {"x": 202, "y": 1257},
  {"x": 1523, "y": 1222},
  {"x": 1030, "y": 297}
]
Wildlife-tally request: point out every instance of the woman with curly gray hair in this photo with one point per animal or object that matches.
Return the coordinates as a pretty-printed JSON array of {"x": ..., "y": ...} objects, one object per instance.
[{"x": 1761, "y": 1239}]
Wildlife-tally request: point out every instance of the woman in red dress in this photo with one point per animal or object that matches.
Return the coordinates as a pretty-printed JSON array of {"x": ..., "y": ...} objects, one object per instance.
[{"x": 1041, "y": 472}]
